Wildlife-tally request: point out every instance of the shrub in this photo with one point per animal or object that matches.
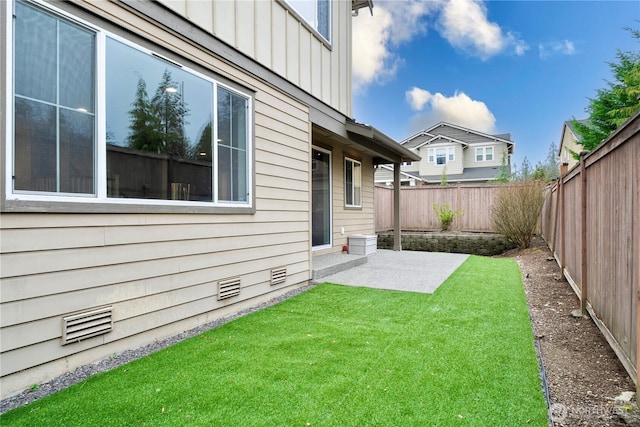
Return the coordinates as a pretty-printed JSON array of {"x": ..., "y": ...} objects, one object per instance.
[
  {"x": 516, "y": 210},
  {"x": 445, "y": 214}
]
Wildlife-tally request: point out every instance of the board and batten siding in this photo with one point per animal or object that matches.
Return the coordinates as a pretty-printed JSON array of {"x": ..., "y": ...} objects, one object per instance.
[
  {"x": 159, "y": 272},
  {"x": 269, "y": 32}
]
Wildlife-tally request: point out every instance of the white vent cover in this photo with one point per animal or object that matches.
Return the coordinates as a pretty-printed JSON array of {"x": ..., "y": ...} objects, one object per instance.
[
  {"x": 80, "y": 326},
  {"x": 278, "y": 276},
  {"x": 228, "y": 288}
]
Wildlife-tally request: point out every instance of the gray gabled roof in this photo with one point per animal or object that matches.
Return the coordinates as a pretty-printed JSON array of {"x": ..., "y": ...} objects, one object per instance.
[{"x": 569, "y": 124}]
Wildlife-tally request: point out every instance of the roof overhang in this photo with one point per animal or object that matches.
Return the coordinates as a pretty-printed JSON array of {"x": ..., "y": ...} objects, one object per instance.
[
  {"x": 356, "y": 5},
  {"x": 389, "y": 150}
]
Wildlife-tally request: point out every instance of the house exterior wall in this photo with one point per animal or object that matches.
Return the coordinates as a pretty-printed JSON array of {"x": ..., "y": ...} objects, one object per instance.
[
  {"x": 159, "y": 271},
  {"x": 568, "y": 144},
  {"x": 498, "y": 149},
  {"x": 273, "y": 34},
  {"x": 353, "y": 220}
]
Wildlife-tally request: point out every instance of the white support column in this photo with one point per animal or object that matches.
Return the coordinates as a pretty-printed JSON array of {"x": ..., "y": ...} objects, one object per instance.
[{"x": 397, "y": 227}]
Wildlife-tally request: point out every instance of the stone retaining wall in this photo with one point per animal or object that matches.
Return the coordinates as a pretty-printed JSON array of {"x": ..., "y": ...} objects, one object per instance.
[{"x": 487, "y": 244}]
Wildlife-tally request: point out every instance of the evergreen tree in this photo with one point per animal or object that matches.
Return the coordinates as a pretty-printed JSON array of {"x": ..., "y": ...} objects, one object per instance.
[
  {"x": 525, "y": 170},
  {"x": 169, "y": 108},
  {"x": 202, "y": 150},
  {"x": 552, "y": 163},
  {"x": 615, "y": 104},
  {"x": 144, "y": 124},
  {"x": 540, "y": 173}
]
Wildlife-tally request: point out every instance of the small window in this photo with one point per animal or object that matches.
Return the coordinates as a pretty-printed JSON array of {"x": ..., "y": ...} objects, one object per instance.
[
  {"x": 441, "y": 155},
  {"x": 488, "y": 154},
  {"x": 317, "y": 13},
  {"x": 352, "y": 183},
  {"x": 484, "y": 154}
]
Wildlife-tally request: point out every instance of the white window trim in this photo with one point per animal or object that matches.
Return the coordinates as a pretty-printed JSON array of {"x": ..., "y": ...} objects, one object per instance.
[
  {"x": 450, "y": 155},
  {"x": 353, "y": 190},
  {"x": 483, "y": 151},
  {"x": 100, "y": 168},
  {"x": 308, "y": 25}
]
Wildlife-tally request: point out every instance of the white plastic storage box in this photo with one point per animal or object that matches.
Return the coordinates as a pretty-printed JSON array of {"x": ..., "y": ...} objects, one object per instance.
[{"x": 363, "y": 244}]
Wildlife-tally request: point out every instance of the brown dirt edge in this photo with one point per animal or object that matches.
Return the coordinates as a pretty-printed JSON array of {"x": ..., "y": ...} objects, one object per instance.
[{"x": 583, "y": 375}]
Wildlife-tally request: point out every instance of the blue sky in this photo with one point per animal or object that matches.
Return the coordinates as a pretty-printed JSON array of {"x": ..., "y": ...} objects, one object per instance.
[{"x": 519, "y": 67}]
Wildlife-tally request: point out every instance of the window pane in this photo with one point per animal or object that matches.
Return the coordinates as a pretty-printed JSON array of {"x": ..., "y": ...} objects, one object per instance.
[
  {"x": 357, "y": 184},
  {"x": 35, "y": 146},
  {"x": 77, "y": 69},
  {"x": 489, "y": 153},
  {"x": 239, "y": 123},
  {"x": 232, "y": 146},
  {"x": 323, "y": 25},
  {"x": 76, "y": 152},
  {"x": 239, "y": 162},
  {"x": 451, "y": 153},
  {"x": 441, "y": 156},
  {"x": 348, "y": 182},
  {"x": 317, "y": 13},
  {"x": 224, "y": 173},
  {"x": 35, "y": 54},
  {"x": 159, "y": 128},
  {"x": 54, "y": 63}
]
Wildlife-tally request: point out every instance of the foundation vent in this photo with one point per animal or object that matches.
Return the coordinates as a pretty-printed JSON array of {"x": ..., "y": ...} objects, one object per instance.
[
  {"x": 278, "y": 276},
  {"x": 80, "y": 326},
  {"x": 228, "y": 288}
]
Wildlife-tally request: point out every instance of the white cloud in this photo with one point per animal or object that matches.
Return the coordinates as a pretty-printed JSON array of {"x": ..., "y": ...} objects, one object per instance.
[
  {"x": 564, "y": 47},
  {"x": 417, "y": 98},
  {"x": 458, "y": 109},
  {"x": 375, "y": 37},
  {"x": 371, "y": 58},
  {"x": 464, "y": 23}
]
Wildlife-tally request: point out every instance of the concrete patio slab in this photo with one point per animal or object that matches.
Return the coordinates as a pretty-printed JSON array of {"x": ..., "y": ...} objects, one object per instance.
[{"x": 410, "y": 271}]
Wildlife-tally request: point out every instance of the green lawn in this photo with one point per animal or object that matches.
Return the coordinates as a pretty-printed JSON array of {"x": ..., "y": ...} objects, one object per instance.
[{"x": 334, "y": 356}]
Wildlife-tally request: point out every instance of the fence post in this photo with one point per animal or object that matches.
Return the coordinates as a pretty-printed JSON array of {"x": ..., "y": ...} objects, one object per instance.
[
  {"x": 583, "y": 235},
  {"x": 397, "y": 225},
  {"x": 555, "y": 215},
  {"x": 563, "y": 172},
  {"x": 458, "y": 204}
]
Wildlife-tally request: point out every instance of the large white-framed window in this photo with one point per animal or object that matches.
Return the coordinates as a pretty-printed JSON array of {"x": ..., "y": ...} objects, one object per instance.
[
  {"x": 441, "y": 155},
  {"x": 352, "y": 183},
  {"x": 95, "y": 117},
  {"x": 484, "y": 154},
  {"x": 316, "y": 13}
]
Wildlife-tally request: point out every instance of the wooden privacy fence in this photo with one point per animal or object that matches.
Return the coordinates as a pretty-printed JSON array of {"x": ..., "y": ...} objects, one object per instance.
[
  {"x": 417, "y": 213},
  {"x": 590, "y": 222}
]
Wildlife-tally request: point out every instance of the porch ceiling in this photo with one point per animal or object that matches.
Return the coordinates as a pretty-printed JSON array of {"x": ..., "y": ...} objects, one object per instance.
[{"x": 365, "y": 138}]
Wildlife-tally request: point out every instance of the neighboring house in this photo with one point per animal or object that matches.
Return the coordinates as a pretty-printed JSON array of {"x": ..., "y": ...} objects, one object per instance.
[
  {"x": 384, "y": 176},
  {"x": 464, "y": 155},
  {"x": 168, "y": 163},
  {"x": 569, "y": 144}
]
